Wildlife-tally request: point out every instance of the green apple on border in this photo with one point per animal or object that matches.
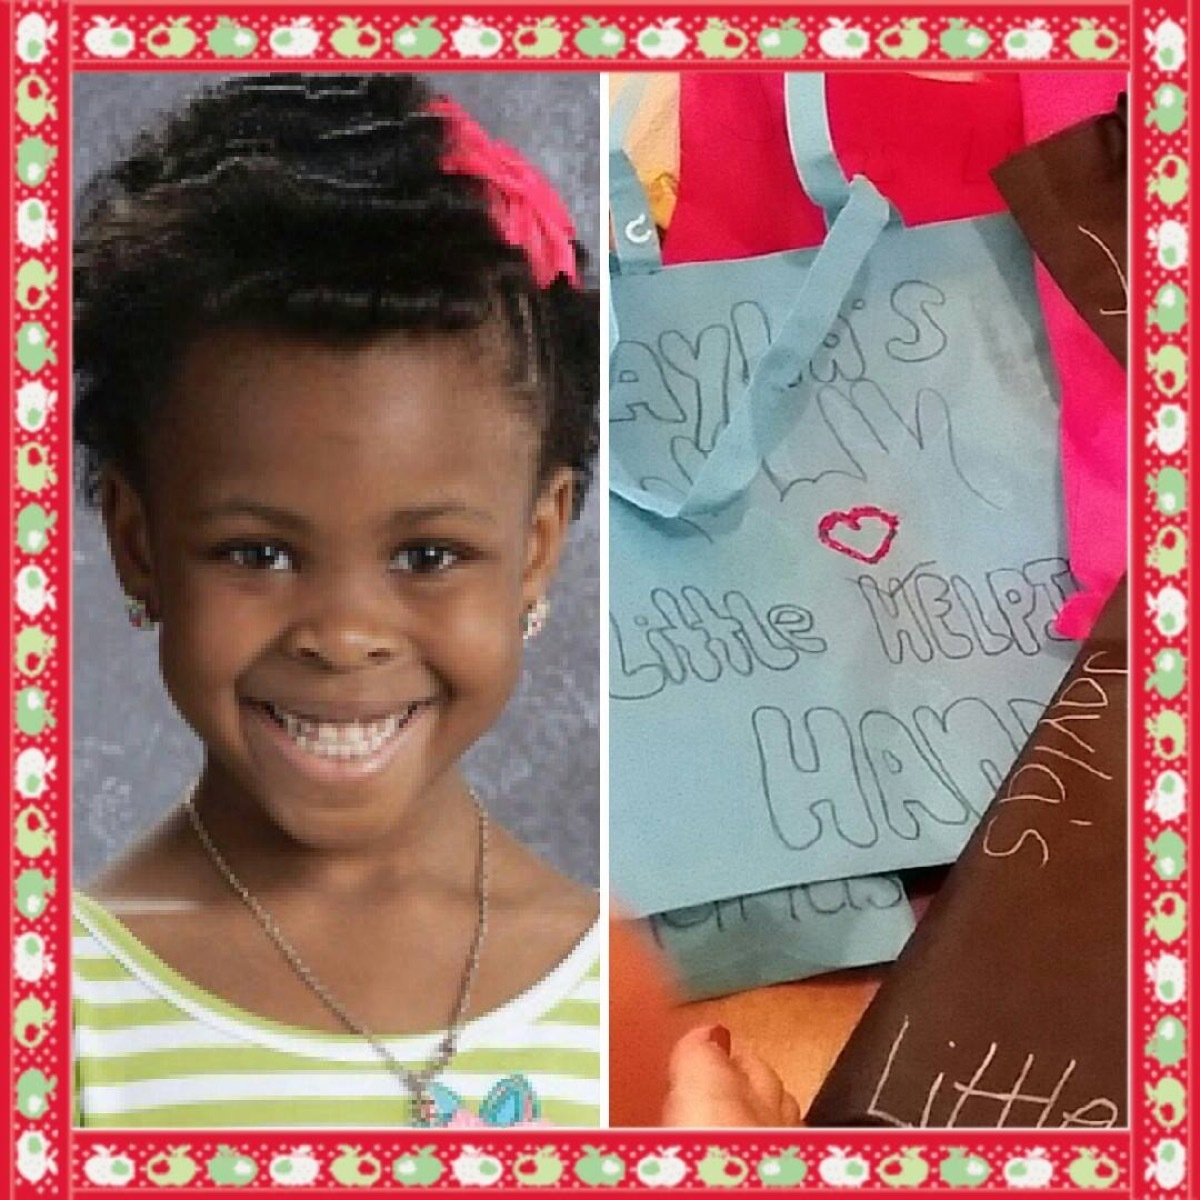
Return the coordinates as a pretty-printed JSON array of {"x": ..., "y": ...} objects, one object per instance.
[
  {"x": 960, "y": 40},
  {"x": 595, "y": 40},
  {"x": 905, "y": 39},
  {"x": 172, "y": 39},
  {"x": 538, "y": 39},
  {"x": 421, "y": 40}
]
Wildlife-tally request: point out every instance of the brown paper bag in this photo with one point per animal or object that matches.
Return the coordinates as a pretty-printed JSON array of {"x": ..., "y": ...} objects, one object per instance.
[
  {"x": 1008, "y": 1006},
  {"x": 1067, "y": 193}
]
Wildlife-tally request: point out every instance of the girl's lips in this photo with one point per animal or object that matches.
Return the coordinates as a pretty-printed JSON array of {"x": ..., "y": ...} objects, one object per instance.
[{"x": 333, "y": 751}]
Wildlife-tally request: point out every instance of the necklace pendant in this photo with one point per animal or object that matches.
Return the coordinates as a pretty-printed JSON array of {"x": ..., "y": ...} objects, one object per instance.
[{"x": 424, "y": 1109}]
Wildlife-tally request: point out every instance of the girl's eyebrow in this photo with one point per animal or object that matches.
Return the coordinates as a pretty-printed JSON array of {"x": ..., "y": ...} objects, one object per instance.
[
  {"x": 447, "y": 508},
  {"x": 238, "y": 507}
]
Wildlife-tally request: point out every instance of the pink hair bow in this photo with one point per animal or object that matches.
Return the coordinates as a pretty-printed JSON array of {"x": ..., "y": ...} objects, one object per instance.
[{"x": 524, "y": 207}]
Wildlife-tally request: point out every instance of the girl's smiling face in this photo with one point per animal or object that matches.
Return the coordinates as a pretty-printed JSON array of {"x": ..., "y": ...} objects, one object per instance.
[{"x": 340, "y": 544}]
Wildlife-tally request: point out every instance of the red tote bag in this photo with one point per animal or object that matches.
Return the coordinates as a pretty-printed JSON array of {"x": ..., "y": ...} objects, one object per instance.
[{"x": 738, "y": 191}]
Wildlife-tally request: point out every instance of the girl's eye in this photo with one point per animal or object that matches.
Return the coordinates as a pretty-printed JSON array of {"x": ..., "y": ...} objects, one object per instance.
[
  {"x": 425, "y": 559},
  {"x": 259, "y": 556}
]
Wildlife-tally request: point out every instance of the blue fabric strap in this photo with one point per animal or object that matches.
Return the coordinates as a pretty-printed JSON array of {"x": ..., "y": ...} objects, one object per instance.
[
  {"x": 635, "y": 239},
  {"x": 812, "y": 142},
  {"x": 771, "y": 404}
]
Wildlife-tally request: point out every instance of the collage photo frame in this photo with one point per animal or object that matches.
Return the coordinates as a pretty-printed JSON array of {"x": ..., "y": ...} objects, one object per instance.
[{"x": 45, "y": 43}]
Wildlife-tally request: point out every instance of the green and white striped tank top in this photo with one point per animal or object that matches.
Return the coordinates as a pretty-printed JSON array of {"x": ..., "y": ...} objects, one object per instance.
[{"x": 152, "y": 1050}]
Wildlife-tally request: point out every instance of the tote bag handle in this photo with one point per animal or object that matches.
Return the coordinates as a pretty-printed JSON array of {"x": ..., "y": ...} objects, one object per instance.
[
  {"x": 806, "y": 108},
  {"x": 635, "y": 239},
  {"x": 811, "y": 141},
  {"x": 771, "y": 404},
  {"x": 856, "y": 213}
]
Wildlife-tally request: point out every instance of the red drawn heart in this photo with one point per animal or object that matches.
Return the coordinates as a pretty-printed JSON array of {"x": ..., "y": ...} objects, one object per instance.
[{"x": 864, "y": 517}]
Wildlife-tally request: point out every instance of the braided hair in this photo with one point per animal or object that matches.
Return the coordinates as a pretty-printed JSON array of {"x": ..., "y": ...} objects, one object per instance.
[{"x": 316, "y": 206}]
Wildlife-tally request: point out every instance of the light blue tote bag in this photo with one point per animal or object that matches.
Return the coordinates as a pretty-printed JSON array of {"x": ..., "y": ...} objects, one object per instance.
[
  {"x": 836, "y": 541},
  {"x": 790, "y": 933}
]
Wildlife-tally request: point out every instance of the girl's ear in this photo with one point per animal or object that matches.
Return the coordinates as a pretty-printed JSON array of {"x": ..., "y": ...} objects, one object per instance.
[
  {"x": 128, "y": 538},
  {"x": 547, "y": 534}
]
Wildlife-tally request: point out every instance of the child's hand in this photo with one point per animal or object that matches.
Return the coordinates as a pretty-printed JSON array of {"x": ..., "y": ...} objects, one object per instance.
[{"x": 710, "y": 1088}]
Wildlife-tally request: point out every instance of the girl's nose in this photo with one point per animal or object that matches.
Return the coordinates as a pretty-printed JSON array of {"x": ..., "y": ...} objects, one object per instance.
[{"x": 347, "y": 629}]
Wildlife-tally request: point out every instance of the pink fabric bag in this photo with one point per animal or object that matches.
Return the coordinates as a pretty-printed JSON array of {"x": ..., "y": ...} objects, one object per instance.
[{"x": 1095, "y": 417}]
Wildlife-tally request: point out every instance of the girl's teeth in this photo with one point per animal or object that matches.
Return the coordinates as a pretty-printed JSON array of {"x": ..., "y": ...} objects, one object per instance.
[{"x": 341, "y": 740}]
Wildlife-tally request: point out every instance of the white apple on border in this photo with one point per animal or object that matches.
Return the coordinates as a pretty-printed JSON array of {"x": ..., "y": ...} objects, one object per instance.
[
  {"x": 33, "y": 762},
  {"x": 1168, "y": 798},
  {"x": 1170, "y": 239},
  {"x": 298, "y": 39},
  {"x": 1036, "y": 41},
  {"x": 30, "y": 965},
  {"x": 840, "y": 39},
  {"x": 34, "y": 30},
  {"x": 663, "y": 40},
  {"x": 832, "y": 1168},
  {"x": 1168, "y": 44},
  {"x": 99, "y": 1168},
  {"x": 469, "y": 39},
  {"x": 304, "y": 1168},
  {"x": 669, "y": 1171},
  {"x": 100, "y": 39},
  {"x": 1169, "y": 1165},
  {"x": 467, "y": 1168},
  {"x": 1170, "y": 603},
  {"x": 34, "y": 232},
  {"x": 34, "y": 591},
  {"x": 1169, "y": 434},
  {"x": 34, "y": 1158},
  {"x": 1169, "y": 977},
  {"x": 1033, "y": 1170}
]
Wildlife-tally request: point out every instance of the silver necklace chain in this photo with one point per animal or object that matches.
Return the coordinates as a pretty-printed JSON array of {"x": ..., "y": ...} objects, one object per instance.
[{"x": 415, "y": 1082}]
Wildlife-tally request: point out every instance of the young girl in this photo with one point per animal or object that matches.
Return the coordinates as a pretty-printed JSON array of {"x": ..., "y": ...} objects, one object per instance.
[{"x": 337, "y": 389}]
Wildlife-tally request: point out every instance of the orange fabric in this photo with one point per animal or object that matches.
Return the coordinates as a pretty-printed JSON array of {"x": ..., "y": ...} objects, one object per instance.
[{"x": 644, "y": 1023}]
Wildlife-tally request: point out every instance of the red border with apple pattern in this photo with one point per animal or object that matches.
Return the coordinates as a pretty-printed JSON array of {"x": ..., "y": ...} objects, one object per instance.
[{"x": 50, "y": 39}]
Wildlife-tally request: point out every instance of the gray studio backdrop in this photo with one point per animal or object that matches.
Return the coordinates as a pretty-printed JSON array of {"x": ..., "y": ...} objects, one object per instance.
[{"x": 538, "y": 769}]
